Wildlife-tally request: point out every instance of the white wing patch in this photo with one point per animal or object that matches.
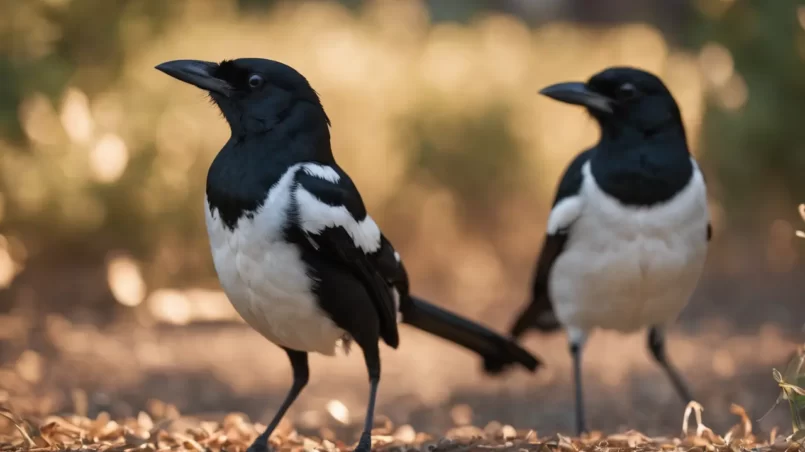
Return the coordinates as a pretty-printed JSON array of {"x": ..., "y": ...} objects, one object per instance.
[
  {"x": 564, "y": 214},
  {"x": 315, "y": 216},
  {"x": 322, "y": 172}
]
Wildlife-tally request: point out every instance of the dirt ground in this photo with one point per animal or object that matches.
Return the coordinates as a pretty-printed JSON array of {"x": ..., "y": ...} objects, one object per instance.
[{"x": 722, "y": 344}]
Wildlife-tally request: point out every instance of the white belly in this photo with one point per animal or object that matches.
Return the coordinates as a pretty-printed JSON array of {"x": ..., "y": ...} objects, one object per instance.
[
  {"x": 625, "y": 268},
  {"x": 266, "y": 280}
]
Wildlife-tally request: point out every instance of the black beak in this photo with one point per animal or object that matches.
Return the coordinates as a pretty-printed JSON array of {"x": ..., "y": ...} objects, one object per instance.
[
  {"x": 197, "y": 73},
  {"x": 578, "y": 93}
]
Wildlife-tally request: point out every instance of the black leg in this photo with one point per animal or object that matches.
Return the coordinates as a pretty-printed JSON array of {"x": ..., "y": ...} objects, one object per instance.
[
  {"x": 656, "y": 343},
  {"x": 575, "y": 350},
  {"x": 371, "y": 355},
  {"x": 300, "y": 378}
]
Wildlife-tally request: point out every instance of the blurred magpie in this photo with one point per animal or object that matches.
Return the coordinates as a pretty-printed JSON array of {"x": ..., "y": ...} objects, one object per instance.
[
  {"x": 627, "y": 236},
  {"x": 293, "y": 246}
]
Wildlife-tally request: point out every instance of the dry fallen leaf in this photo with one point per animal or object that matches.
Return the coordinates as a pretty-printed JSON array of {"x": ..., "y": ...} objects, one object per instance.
[{"x": 148, "y": 432}]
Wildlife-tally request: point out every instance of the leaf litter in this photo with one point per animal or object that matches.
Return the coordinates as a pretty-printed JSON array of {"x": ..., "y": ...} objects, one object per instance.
[{"x": 164, "y": 429}]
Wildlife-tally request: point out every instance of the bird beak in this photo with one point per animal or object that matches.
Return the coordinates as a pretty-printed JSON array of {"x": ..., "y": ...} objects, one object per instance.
[
  {"x": 578, "y": 93},
  {"x": 197, "y": 73}
]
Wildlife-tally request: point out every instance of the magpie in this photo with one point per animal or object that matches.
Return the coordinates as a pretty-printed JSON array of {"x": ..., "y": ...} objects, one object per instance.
[
  {"x": 293, "y": 246},
  {"x": 628, "y": 231}
]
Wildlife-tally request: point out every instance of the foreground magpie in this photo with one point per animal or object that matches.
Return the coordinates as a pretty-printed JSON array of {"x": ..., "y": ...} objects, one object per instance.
[
  {"x": 294, "y": 248},
  {"x": 627, "y": 236}
]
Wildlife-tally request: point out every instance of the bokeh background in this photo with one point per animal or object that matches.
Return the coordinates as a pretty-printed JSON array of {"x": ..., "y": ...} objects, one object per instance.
[{"x": 109, "y": 300}]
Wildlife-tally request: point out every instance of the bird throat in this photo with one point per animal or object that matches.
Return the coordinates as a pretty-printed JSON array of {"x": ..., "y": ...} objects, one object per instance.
[
  {"x": 643, "y": 176},
  {"x": 244, "y": 171}
]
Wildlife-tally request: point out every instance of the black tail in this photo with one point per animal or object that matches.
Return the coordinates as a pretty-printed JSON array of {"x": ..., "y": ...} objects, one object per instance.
[{"x": 498, "y": 352}]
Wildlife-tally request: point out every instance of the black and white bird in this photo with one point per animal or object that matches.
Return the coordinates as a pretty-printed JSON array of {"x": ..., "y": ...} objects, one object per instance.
[
  {"x": 293, "y": 246},
  {"x": 627, "y": 236}
]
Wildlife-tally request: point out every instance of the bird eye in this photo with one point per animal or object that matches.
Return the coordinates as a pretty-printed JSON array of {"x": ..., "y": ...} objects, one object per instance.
[
  {"x": 627, "y": 90},
  {"x": 255, "y": 81}
]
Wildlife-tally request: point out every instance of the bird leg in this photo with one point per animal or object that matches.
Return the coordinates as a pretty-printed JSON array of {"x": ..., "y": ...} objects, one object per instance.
[
  {"x": 577, "y": 340},
  {"x": 656, "y": 343},
  {"x": 372, "y": 357},
  {"x": 300, "y": 378}
]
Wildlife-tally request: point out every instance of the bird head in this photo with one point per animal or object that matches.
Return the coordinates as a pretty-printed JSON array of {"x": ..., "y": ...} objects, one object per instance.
[
  {"x": 622, "y": 98},
  {"x": 254, "y": 94}
]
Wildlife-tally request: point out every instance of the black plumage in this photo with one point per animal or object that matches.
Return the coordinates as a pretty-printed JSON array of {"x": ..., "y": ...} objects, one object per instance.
[
  {"x": 629, "y": 226},
  {"x": 293, "y": 245}
]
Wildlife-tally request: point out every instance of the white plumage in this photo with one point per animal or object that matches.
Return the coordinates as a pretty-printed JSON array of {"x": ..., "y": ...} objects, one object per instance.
[
  {"x": 265, "y": 277},
  {"x": 322, "y": 172},
  {"x": 624, "y": 268},
  {"x": 316, "y": 216}
]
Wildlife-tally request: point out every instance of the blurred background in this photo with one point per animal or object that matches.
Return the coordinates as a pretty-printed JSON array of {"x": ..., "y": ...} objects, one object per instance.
[{"x": 109, "y": 299}]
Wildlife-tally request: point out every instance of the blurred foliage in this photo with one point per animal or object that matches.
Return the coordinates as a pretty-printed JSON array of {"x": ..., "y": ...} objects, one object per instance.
[
  {"x": 757, "y": 150},
  {"x": 475, "y": 157},
  {"x": 435, "y": 116},
  {"x": 46, "y": 44}
]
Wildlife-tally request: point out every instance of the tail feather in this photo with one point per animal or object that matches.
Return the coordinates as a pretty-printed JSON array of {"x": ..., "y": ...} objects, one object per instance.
[{"x": 497, "y": 351}]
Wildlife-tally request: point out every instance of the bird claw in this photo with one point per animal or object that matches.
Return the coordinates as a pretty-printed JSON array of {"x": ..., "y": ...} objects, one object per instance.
[
  {"x": 365, "y": 444},
  {"x": 259, "y": 446}
]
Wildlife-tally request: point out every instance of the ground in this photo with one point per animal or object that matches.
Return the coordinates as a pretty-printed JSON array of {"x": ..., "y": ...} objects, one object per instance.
[
  {"x": 98, "y": 376},
  {"x": 166, "y": 430}
]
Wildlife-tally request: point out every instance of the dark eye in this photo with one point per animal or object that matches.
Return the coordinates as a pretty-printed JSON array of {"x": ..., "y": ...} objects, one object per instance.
[
  {"x": 627, "y": 90},
  {"x": 255, "y": 81}
]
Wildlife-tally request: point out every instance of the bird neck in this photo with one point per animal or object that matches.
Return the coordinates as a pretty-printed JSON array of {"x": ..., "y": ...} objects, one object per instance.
[
  {"x": 298, "y": 132},
  {"x": 620, "y": 132},
  {"x": 250, "y": 164},
  {"x": 286, "y": 143}
]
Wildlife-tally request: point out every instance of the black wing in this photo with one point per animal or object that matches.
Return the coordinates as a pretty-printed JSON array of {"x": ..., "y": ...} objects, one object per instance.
[
  {"x": 375, "y": 268},
  {"x": 539, "y": 314}
]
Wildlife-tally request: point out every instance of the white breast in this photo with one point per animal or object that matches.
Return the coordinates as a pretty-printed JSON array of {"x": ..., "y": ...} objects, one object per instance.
[
  {"x": 624, "y": 268},
  {"x": 265, "y": 277}
]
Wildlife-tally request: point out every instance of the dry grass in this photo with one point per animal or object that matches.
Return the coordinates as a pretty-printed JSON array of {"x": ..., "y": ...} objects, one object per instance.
[{"x": 164, "y": 429}]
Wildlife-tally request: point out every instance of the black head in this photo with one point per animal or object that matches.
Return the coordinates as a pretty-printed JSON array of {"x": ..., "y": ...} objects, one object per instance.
[
  {"x": 623, "y": 98},
  {"x": 254, "y": 94}
]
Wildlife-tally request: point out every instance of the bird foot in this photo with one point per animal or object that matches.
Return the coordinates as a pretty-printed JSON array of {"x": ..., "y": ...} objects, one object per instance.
[
  {"x": 365, "y": 444},
  {"x": 259, "y": 446}
]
